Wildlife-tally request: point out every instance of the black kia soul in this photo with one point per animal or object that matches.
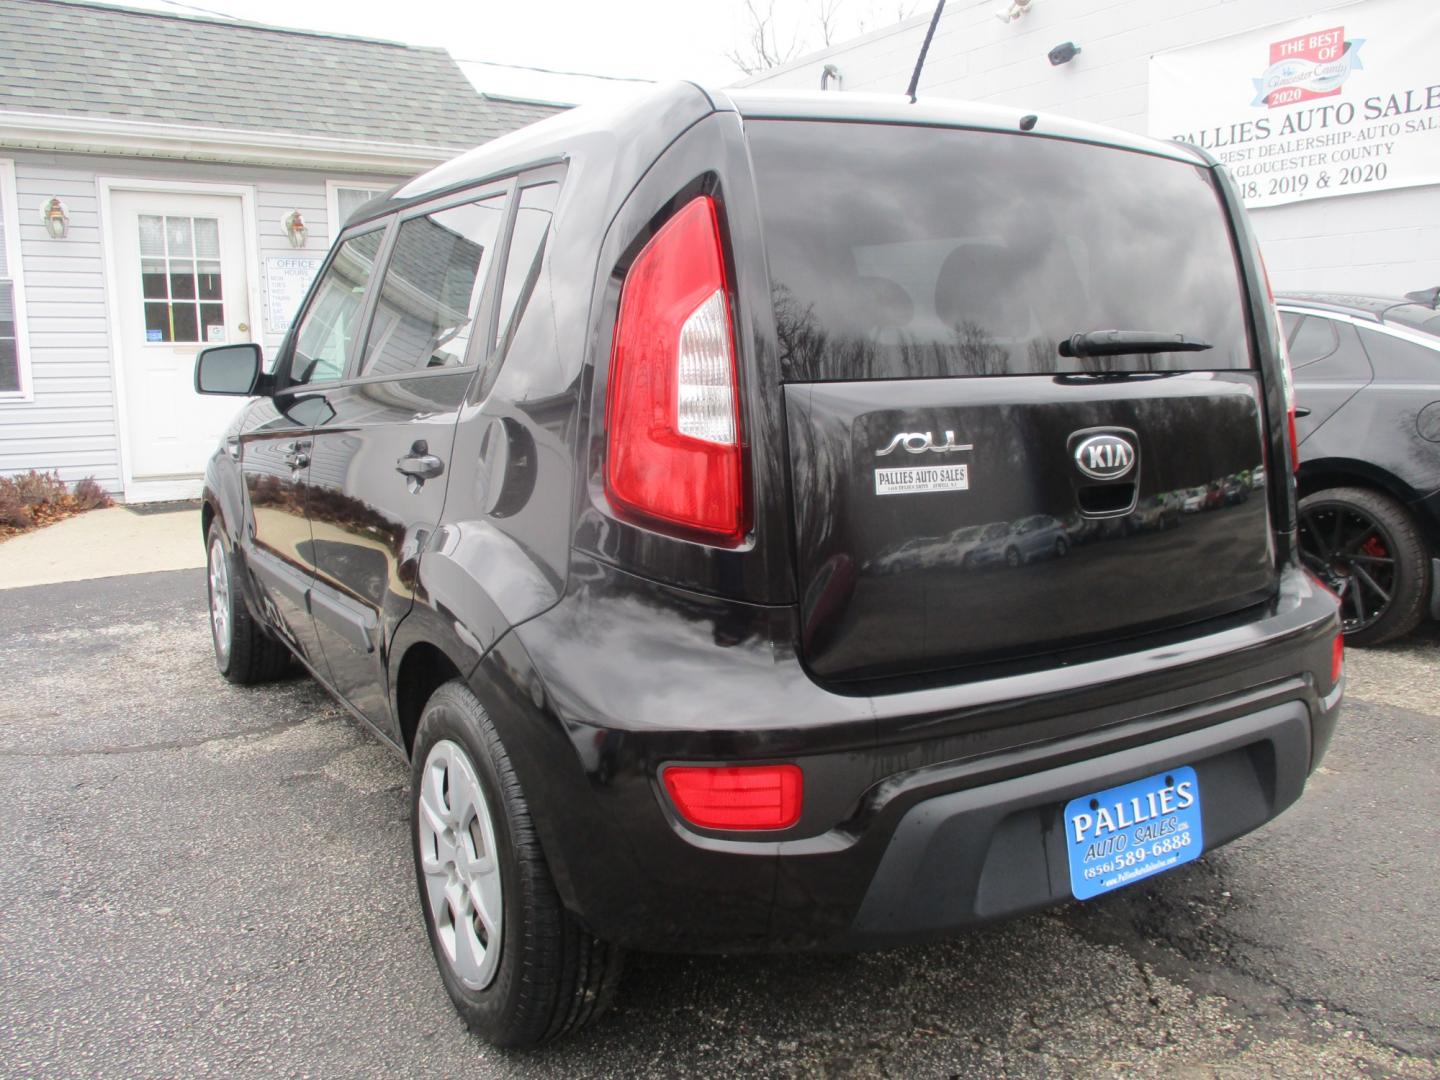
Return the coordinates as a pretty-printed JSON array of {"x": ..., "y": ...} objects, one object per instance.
[{"x": 782, "y": 522}]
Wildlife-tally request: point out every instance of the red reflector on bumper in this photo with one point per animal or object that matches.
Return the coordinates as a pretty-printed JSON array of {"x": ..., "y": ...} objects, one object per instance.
[
  {"x": 1337, "y": 659},
  {"x": 736, "y": 797}
]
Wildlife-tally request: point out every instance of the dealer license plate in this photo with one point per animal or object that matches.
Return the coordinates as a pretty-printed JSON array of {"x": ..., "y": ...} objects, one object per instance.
[{"x": 1133, "y": 831}]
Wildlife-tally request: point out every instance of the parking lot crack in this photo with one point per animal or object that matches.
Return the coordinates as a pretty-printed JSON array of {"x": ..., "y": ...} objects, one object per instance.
[{"x": 161, "y": 747}]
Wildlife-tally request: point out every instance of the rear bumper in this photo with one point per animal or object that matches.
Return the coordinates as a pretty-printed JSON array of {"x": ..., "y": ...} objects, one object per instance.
[
  {"x": 998, "y": 850},
  {"x": 925, "y": 811}
]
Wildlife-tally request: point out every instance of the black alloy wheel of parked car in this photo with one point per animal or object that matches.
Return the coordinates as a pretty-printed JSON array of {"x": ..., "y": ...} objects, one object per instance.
[{"x": 1367, "y": 384}]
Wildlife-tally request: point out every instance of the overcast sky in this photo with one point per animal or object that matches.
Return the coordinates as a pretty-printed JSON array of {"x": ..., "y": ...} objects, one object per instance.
[{"x": 648, "y": 39}]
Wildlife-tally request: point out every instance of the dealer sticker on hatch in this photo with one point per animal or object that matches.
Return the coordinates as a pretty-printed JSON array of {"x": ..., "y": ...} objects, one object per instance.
[
  {"x": 917, "y": 478},
  {"x": 1134, "y": 831}
]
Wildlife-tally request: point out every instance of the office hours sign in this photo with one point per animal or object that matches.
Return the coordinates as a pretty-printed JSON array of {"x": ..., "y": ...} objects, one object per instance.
[
  {"x": 1337, "y": 103},
  {"x": 287, "y": 280}
]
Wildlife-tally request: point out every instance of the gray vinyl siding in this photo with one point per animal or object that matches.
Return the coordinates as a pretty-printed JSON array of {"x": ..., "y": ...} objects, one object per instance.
[{"x": 70, "y": 424}]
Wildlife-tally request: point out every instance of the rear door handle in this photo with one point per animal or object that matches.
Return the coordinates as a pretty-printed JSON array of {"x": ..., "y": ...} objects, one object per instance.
[
  {"x": 420, "y": 464},
  {"x": 1301, "y": 410},
  {"x": 297, "y": 454}
]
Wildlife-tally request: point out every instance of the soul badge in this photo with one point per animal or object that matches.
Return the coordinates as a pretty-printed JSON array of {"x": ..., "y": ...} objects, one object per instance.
[{"x": 922, "y": 478}]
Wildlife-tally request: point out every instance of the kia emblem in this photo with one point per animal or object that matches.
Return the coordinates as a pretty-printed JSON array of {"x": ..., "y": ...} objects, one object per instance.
[{"x": 1105, "y": 457}]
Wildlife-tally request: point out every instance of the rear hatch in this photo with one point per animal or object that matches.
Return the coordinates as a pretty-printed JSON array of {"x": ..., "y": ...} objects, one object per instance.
[{"x": 964, "y": 492}]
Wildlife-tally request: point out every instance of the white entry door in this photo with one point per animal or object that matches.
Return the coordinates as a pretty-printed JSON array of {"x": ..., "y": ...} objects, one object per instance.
[{"x": 180, "y": 284}]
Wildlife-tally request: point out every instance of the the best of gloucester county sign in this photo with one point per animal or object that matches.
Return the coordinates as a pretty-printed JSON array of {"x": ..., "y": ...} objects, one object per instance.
[{"x": 1337, "y": 103}]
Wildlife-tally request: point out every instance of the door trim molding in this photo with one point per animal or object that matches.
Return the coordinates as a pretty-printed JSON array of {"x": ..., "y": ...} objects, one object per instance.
[{"x": 144, "y": 491}]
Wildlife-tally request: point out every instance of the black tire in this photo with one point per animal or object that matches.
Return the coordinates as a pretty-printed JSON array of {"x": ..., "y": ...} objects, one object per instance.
[
  {"x": 1062, "y": 547},
  {"x": 251, "y": 655},
  {"x": 1012, "y": 557},
  {"x": 1396, "y": 563},
  {"x": 553, "y": 977}
]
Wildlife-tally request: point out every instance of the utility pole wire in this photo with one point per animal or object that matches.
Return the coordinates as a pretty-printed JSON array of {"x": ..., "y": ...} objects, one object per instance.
[{"x": 552, "y": 71}]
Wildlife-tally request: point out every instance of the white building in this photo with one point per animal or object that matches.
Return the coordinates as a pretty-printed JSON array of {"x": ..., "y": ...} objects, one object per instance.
[
  {"x": 167, "y": 181},
  {"x": 1341, "y": 142}
]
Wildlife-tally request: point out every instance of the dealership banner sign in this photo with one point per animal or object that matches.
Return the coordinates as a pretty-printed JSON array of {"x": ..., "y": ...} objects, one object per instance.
[{"x": 1337, "y": 103}]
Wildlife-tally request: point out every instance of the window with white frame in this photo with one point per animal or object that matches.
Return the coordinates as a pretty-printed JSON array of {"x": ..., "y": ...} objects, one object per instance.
[
  {"x": 14, "y": 376},
  {"x": 343, "y": 199}
]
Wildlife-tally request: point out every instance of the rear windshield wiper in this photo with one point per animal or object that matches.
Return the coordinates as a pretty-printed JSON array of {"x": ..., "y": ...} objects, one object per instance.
[{"x": 1120, "y": 342}]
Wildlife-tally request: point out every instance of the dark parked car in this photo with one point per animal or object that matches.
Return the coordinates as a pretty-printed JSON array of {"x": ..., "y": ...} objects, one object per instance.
[
  {"x": 1367, "y": 381},
  {"x": 572, "y": 478}
]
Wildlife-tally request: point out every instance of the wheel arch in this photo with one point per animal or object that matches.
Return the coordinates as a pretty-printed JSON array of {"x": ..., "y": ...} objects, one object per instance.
[
  {"x": 1325, "y": 473},
  {"x": 426, "y": 654},
  {"x": 423, "y": 669}
]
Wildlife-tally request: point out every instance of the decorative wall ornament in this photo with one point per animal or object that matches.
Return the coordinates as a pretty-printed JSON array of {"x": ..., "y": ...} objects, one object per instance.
[
  {"x": 295, "y": 228},
  {"x": 56, "y": 218}
]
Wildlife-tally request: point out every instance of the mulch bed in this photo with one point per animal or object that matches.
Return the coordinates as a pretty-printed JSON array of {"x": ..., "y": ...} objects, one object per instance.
[
  {"x": 44, "y": 514},
  {"x": 34, "y": 500}
]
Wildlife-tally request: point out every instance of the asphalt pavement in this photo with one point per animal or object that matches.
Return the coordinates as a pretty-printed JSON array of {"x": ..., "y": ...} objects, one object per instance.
[{"x": 202, "y": 880}]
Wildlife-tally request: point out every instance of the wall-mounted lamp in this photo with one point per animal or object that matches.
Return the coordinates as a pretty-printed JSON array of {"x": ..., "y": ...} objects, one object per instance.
[
  {"x": 1063, "y": 53},
  {"x": 295, "y": 228},
  {"x": 1013, "y": 10},
  {"x": 830, "y": 73},
  {"x": 56, "y": 218}
]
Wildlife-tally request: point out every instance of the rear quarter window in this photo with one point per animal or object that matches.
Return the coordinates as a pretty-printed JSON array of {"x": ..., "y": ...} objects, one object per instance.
[
  {"x": 912, "y": 252},
  {"x": 1323, "y": 349},
  {"x": 1397, "y": 360}
]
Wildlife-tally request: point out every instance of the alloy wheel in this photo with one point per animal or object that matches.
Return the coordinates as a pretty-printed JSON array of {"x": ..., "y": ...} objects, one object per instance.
[
  {"x": 461, "y": 864},
  {"x": 1353, "y": 554},
  {"x": 220, "y": 600}
]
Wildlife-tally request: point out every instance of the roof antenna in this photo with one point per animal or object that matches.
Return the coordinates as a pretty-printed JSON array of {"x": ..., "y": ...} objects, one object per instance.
[{"x": 924, "y": 48}]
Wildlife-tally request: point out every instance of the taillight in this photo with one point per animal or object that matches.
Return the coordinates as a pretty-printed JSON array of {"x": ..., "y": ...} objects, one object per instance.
[
  {"x": 736, "y": 796},
  {"x": 1287, "y": 379},
  {"x": 674, "y": 459},
  {"x": 1337, "y": 647}
]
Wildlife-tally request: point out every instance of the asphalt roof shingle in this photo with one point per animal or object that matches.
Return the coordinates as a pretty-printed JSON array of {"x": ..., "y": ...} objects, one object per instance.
[{"x": 88, "y": 59}]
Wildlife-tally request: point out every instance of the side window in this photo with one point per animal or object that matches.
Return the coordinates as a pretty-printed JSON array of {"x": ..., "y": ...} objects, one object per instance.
[
  {"x": 431, "y": 292},
  {"x": 331, "y": 322},
  {"x": 1323, "y": 349},
  {"x": 1346, "y": 362},
  {"x": 14, "y": 366},
  {"x": 522, "y": 263},
  {"x": 1313, "y": 340}
]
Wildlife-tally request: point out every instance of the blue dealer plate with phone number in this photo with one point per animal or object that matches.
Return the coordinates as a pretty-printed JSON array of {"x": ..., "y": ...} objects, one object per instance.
[{"x": 1134, "y": 831}]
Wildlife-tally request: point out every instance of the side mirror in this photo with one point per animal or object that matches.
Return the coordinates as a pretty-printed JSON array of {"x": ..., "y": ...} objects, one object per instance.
[{"x": 228, "y": 369}]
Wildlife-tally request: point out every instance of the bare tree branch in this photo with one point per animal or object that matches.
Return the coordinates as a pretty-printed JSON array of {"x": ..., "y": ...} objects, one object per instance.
[
  {"x": 825, "y": 13},
  {"x": 762, "y": 49},
  {"x": 827, "y": 24}
]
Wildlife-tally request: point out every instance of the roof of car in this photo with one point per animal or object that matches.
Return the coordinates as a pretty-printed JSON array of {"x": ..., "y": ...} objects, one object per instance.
[
  {"x": 939, "y": 112},
  {"x": 1416, "y": 310},
  {"x": 1364, "y": 307},
  {"x": 554, "y": 138}
]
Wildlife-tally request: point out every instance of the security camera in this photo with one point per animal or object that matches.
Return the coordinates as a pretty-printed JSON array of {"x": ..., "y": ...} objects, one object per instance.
[{"x": 1063, "y": 53}]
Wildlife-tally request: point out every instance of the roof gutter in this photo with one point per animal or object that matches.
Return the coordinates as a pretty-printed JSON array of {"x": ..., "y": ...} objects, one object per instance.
[{"x": 114, "y": 136}]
